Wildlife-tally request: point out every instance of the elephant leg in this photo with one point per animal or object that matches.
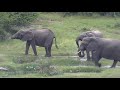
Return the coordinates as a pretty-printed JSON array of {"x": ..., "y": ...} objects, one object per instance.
[
  {"x": 27, "y": 47},
  {"x": 88, "y": 55},
  {"x": 47, "y": 52},
  {"x": 34, "y": 48},
  {"x": 49, "y": 49},
  {"x": 77, "y": 41},
  {"x": 96, "y": 58},
  {"x": 48, "y": 45},
  {"x": 114, "y": 64},
  {"x": 97, "y": 64}
]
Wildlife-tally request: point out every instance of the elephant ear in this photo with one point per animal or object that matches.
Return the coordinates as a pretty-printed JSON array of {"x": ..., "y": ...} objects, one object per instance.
[
  {"x": 93, "y": 44},
  {"x": 28, "y": 35},
  {"x": 88, "y": 40}
]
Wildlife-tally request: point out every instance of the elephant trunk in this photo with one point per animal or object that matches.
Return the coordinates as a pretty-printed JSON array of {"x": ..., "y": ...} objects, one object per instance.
[
  {"x": 77, "y": 41},
  {"x": 81, "y": 54},
  {"x": 13, "y": 37}
]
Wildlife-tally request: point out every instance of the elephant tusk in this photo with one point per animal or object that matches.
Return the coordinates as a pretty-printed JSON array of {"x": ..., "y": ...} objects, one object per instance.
[{"x": 79, "y": 51}]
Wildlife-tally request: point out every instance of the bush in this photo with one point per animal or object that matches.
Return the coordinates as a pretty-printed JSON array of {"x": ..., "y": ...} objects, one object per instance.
[{"x": 15, "y": 19}]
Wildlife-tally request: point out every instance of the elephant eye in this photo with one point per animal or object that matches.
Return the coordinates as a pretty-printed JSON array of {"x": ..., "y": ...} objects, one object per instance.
[{"x": 21, "y": 35}]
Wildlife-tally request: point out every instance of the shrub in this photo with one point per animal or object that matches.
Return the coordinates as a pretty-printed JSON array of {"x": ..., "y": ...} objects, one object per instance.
[{"x": 14, "y": 19}]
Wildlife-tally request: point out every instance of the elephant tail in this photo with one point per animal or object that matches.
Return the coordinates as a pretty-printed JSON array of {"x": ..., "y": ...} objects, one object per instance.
[{"x": 56, "y": 43}]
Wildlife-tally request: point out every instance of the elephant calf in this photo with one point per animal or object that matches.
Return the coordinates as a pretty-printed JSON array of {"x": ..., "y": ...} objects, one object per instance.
[
  {"x": 101, "y": 48},
  {"x": 88, "y": 34},
  {"x": 43, "y": 38}
]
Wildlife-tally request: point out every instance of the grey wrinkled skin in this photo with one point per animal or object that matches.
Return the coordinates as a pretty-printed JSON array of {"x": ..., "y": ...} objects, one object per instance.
[
  {"x": 102, "y": 48},
  {"x": 42, "y": 38},
  {"x": 88, "y": 34}
]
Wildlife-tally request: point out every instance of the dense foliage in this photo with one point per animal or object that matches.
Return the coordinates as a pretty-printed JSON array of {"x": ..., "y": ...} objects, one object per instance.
[{"x": 9, "y": 20}]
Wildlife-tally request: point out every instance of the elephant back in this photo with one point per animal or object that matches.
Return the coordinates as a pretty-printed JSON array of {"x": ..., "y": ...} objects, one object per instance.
[
  {"x": 97, "y": 33},
  {"x": 43, "y": 33}
]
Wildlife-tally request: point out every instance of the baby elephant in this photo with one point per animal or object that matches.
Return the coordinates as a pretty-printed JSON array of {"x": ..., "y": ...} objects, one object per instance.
[
  {"x": 43, "y": 38},
  {"x": 101, "y": 48}
]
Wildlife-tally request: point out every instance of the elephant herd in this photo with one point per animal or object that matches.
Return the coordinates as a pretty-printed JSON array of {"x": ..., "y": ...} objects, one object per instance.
[{"x": 90, "y": 41}]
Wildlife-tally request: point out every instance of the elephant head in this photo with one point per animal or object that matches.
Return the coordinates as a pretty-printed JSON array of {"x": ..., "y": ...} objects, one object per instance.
[
  {"x": 81, "y": 49},
  {"x": 83, "y": 35},
  {"x": 88, "y": 44},
  {"x": 23, "y": 35}
]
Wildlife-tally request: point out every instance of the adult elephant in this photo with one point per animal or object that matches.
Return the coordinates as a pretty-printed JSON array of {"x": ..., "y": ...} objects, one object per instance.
[
  {"x": 101, "y": 48},
  {"x": 88, "y": 34},
  {"x": 43, "y": 38}
]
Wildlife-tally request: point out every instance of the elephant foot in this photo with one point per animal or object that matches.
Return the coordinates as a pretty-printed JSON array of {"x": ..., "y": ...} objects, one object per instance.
[
  {"x": 47, "y": 55},
  {"x": 114, "y": 64},
  {"x": 112, "y": 67},
  {"x": 88, "y": 60},
  {"x": 99, "y": 65}
]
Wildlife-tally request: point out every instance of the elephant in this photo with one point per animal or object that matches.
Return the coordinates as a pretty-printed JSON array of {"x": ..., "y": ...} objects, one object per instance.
[
  {"x": 42, "y": 38},
  {"x": 88, "y": 34},
  {"x": 101, "y": 48}
]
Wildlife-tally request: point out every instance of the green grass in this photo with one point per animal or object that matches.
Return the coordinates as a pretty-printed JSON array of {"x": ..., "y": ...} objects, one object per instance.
[{"x": 66, "y": 30}]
